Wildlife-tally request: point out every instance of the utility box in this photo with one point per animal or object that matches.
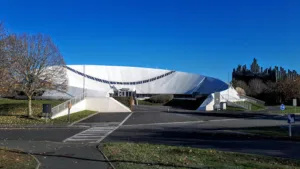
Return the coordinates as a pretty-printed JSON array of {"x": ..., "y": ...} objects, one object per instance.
[
  {"x": 47, "y": 108},
  {"x": 46, "y": 113},
  {"x": 217, "y": 100},
  {"x": 217, "y": 97}
]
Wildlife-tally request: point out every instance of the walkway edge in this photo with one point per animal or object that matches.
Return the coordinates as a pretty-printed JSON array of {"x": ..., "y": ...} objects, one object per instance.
[
  {"x": 38, "y": 162},
  {"x": 112, "y": 166},
  {"x": 82, "y": 119},
  {"x": 179, "y": 122}
]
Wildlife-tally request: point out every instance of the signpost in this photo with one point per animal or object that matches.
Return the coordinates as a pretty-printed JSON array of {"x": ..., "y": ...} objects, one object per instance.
[
  {"x": 69, "y": 108},
  {"x": 282, "y": 107},
  {"x": 295, "y": 104},
  {"x": 291, "y": 119}
]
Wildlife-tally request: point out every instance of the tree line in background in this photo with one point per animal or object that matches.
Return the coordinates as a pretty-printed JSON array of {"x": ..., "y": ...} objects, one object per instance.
[
  {"x": 29, "y": 64},
  {"x": 274, "y": 86}
]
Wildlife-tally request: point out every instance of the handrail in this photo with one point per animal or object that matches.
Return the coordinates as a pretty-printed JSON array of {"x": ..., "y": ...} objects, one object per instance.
[
  {"x": 65, "y": 104},
  {"x": 251, "y": 99},
  {"x": 238, "y": 103}
]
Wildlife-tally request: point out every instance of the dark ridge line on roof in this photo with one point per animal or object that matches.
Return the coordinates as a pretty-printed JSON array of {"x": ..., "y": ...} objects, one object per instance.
[{"x": 120, "y": 83}]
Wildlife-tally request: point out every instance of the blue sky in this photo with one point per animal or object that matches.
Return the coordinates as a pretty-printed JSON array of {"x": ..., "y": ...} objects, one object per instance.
[{"x": 208, "y": 37}]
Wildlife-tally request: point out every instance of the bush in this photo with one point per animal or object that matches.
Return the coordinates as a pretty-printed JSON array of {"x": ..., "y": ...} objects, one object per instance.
[
  {"x": 186, "y": 104},
  {"x": 124, "y": 100},
  {"x": 160, "y": 98}
]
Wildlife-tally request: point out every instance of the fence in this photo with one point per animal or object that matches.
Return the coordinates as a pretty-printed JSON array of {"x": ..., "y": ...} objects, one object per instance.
[
  {"x": 65, "y": 104},
  {"x": 242, "y": 104},
  {"x": 235, "y": 102},
  {"x": 253, "y": 100}
]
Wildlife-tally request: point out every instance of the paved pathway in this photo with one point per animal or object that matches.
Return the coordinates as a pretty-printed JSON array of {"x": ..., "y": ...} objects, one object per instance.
[{"x": 54, "y": 155}]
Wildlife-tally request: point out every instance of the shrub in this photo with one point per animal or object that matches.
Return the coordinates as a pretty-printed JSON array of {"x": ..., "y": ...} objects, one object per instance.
[
  {"x": 161, "y": 98},
  {"x": 124, "y": 100}
]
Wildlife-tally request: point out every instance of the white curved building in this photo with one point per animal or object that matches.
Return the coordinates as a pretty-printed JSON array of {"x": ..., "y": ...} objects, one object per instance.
[{"x": 102, "y": 81}]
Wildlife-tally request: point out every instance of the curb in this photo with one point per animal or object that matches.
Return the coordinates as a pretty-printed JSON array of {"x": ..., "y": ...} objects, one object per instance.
[
  {"x": 82, "y": 119},
  {"x": 105, "y": 157},
  {"x": 38, "y": 162},
  {"x": 38, "y": 127}
]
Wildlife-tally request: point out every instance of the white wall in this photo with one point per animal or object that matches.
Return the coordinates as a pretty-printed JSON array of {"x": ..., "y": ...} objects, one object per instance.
[
  {"x": 229, "y": 94},
  {"x": 175, "y": 83},
  {"x": 103, "y": 104},
  {"x": 208, "y": 104}
]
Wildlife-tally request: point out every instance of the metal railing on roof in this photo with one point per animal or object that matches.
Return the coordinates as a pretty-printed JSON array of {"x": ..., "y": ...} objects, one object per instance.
[{"x": 122, "y": 83}]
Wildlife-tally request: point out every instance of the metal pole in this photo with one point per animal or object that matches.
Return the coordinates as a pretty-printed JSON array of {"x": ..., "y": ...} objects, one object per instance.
[
  {"x": 83, "y": 79},
  {"x": 290, "y": 130},
  {"x": 228, "y": 86},
  {"x": 68, "y": 115}
]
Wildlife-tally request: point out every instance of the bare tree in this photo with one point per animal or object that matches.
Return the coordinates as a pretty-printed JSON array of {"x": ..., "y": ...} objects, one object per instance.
[
  {"x": 242, "y": 85},
  {"x": 240, "y": 91},
  {"x": 288, "y": 89},
  {"x": 257, "y": 86},
  {"x": 35, "y": 65},
  {"x": 5, "y": 80}
]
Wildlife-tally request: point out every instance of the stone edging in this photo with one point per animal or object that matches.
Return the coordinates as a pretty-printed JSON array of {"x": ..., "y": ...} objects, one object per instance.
[
  {"x": 98, "y": 147},
  {"x": 38, "y": 162}
]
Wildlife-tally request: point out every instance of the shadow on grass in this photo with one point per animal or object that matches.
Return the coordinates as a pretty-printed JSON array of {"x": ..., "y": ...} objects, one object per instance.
[
  {"x": 12, "y": 108},
  {"x": 70, "y": 156}
]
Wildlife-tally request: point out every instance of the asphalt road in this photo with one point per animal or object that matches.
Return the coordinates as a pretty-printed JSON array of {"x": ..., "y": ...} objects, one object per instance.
[
  {"x": 106, "y": 117},
  {"x": 39, "y": 134},
  {"x": 156, "y": 125}
]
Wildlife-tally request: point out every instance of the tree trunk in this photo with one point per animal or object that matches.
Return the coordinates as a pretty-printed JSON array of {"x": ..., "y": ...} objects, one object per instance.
[{"x": 29, "y": 107}]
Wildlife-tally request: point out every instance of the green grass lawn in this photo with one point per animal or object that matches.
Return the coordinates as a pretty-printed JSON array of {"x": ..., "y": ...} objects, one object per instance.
[
  {"x": 15, "y": 160},
  {"x": 230, "y": 108},
  {"x": 73, "y": 117},
  {"x": 288, "y": 110},
  {"x": 272, "y": 131},
  {"x": 254, "y": 107},
  {"x": 20, "y": 107},
  {"x": 257, "y": 107},
  {"x": 16, "y": 120},
  {"x": 15, "y": 111},
  {"x": 146, "y": 102},
  {"x": 150, "y": 156}
]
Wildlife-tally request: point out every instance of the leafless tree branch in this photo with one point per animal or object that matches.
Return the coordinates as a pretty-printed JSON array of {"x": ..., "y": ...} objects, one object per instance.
[{"x": 35, "y": 64}]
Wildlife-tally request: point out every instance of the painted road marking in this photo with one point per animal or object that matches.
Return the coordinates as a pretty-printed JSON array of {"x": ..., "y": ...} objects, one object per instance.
[
  {"x": 91, "y": 135},
  {"x": 115, "y": 128},
  {"x": 97, "y": 132},
  {"x": 183, "y": 122}
]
